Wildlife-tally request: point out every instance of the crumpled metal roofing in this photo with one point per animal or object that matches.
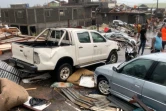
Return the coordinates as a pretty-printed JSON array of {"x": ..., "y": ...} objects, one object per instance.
[{"x": 9, "y": 72}]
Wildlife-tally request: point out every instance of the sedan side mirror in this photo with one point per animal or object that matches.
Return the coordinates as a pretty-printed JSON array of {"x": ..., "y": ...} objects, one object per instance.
[{"x": 115, "y": 69}]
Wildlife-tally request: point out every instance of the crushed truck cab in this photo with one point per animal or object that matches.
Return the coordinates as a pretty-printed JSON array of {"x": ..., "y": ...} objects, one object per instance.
[{"x": 60, "y": 49}]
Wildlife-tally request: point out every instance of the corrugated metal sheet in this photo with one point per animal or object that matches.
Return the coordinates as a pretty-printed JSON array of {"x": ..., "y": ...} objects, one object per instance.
[
  {"x": 9, "y": 72},
  {"x": 87, "y": 102}
]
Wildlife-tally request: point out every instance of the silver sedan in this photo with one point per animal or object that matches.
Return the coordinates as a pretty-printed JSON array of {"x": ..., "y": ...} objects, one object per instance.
[{"x": 144, "y": 76}]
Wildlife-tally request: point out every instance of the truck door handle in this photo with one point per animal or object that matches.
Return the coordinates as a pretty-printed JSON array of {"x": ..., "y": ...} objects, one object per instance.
[
  {"x": 21, "y": 50},
  {"x": 95, "y": 46},
  {"x": 22, "y": 46},
  {"x": 80, "y": 47}
]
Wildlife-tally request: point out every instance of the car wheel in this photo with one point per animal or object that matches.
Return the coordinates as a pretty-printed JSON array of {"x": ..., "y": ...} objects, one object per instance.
[
  {"x": 103, "y": 86},
  {"x": 62, "y": 72},
  {"x": 112, "y": 58}
]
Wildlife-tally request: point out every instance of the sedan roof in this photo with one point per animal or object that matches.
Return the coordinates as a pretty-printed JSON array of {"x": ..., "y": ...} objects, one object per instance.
[{"x": 156, "y": 56}]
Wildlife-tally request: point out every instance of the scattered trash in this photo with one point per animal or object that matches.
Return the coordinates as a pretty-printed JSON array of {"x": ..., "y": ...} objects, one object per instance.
[
  {"x": 61, "y": 85},
  {"x": 75, "y": 77},
  {"x": 36, "y": 104},
  {"x": 87, "y": 81},
  {"x": 37, "y": 78},
  {"x": 77, "y": 98},
  {"x": 10, "y": 98}
]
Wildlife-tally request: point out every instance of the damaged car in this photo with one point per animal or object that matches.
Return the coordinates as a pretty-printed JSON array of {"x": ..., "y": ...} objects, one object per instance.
[
  {"x": 58, "y": 50},
  {"x": 144, "y": 76}
]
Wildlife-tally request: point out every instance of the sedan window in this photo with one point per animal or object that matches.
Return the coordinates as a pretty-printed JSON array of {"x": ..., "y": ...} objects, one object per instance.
[
  {"x": 159, "y": 74},
  {"x": 137, "y": 68}
]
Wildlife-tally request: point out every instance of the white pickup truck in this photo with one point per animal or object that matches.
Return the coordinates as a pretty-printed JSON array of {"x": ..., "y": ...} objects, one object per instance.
[{"x": 61, "y": 49}]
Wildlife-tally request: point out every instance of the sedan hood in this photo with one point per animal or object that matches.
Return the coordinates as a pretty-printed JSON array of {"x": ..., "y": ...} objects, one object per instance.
[
  {"x": 109, "y": 66},
  {"x": 106, "y": 69}
]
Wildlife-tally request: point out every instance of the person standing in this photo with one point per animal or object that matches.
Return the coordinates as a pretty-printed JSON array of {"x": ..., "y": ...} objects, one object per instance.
[
  {"x": 163, "y": 31},
  {"x": 143, "y": 39},
  {"x": 157, "y": 43}
]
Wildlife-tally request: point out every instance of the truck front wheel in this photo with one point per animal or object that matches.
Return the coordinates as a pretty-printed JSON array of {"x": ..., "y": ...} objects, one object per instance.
[
  {"x": 62, "y": 72},
  {"x": 112, "y": 58}
]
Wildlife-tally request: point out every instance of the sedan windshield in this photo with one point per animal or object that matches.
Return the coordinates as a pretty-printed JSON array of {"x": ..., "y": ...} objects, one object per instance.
[{"x": 123, "y": 63}]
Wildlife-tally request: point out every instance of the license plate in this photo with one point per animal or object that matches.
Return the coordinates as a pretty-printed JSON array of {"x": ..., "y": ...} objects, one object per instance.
[{"x": 20, "y": 65}]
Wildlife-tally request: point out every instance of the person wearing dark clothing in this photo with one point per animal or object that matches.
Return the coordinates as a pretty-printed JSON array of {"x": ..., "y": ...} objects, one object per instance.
[{"x": 143, "y": 39}]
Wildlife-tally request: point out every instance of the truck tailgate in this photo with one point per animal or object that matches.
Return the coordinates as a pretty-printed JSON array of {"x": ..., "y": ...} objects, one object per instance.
[{"x": 22, "y": 52}]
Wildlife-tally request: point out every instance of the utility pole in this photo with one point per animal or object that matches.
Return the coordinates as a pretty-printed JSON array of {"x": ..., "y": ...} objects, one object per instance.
[{"x": 157, "y": 4}]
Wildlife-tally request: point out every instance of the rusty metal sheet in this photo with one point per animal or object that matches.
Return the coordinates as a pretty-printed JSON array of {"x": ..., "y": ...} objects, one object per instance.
[
  {"x": 79, "y": 99},
  {"x": 87, "y": 102},
  {"x": 84, "y": 98},
  {"x": 89, "y": 99},
  {"x": 73, "y": 100}
]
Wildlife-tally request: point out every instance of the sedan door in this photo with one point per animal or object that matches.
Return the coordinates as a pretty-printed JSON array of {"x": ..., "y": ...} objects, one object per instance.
[
  {"x": 130, "y": 80},
  {"x": 154, "y": 90}
]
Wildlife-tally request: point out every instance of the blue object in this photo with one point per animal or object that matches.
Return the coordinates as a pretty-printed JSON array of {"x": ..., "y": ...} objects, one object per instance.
[
  {"x": 158, "y": 43},
  {"x": 139, "y": 109}
]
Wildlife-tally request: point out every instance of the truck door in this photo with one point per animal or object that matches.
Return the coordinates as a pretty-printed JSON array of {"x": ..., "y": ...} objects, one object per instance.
[
  {"x": 84, "y": 47},
  {"x": 100, "y": 47}
]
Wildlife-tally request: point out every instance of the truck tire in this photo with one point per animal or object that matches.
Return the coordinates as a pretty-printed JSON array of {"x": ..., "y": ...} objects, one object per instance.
[
  {"x": 62, "y": 72},
  {"x": 112, "y": 58}
]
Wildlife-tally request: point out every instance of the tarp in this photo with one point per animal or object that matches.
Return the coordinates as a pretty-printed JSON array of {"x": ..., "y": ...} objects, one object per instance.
[{"x": 11, "y": 95}]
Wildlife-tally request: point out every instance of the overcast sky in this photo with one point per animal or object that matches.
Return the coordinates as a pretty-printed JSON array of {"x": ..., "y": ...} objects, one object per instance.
[{"x": 6, "y": 3}]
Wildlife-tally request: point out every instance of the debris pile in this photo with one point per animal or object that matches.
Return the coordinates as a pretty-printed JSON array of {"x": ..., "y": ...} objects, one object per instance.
[
  {"x": 9, "y": 35},
  {"x": 82, "y": 77},
  {"x": 87, "y": 102}
]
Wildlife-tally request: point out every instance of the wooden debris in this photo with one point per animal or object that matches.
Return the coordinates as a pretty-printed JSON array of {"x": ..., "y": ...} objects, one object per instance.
[{"x": 28, "y": 89}]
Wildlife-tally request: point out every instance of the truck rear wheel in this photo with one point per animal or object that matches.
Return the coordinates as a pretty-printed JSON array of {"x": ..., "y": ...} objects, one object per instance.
[{"x": 62, "y": 72}]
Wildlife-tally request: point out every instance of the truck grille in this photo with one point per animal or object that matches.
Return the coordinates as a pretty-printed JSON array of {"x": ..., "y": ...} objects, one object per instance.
[{"x": 9, "y": 72}]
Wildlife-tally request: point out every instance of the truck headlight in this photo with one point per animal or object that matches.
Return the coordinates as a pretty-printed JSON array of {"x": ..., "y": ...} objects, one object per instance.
[{"x": 36, "y": 58}]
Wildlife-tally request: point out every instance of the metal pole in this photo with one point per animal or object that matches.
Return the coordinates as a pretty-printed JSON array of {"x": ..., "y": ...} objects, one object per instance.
[{"x": 157, "y": 4}]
